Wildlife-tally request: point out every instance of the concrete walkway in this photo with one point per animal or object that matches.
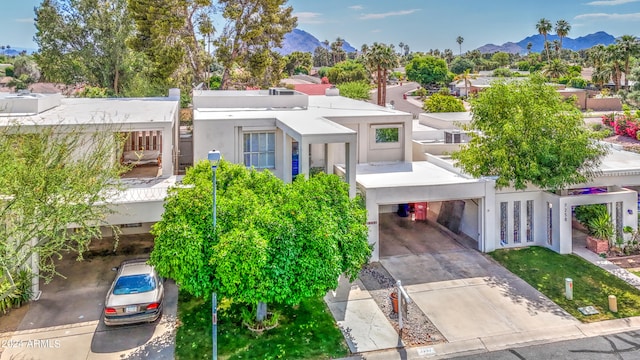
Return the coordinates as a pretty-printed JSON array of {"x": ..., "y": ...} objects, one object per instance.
[{"x": 476, "y": 314}]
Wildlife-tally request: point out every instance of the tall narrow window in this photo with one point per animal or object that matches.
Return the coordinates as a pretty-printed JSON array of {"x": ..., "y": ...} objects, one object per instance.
[
  {"x": 619, "y": 220},
  {"x": 529, "y": 220},
  {"x": 549, "y": 224},
  {"x": 504, "y": 223},
  {"x": 516, "y": 222},
  {"x": 260, "y": 150}
]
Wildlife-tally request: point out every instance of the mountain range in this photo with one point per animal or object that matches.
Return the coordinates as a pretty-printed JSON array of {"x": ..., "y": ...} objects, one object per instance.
[
  {"x": 300, "y": 40},
  {"x": 537, "y": 42}
]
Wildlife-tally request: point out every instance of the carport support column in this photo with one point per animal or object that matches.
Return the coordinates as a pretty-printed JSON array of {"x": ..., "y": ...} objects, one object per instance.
[
  {"x": 303, "y": 158},
  {"x": 373, "y": 217},
  {"x": 287, "y": 158},
  {"x": 328, "y": 158},
  {"x": 488, "y": 236},
  {"x": 350, "y": 167}
]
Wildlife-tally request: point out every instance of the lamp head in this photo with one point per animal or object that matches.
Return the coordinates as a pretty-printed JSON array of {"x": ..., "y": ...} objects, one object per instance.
[{"x": 214, "y": 158}]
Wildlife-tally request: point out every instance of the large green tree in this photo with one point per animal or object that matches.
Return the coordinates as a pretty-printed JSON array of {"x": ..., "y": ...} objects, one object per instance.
[
  {"x": 274, "y": 243},
  {"x": 347, "y": 71},
  {"x": 252, "y": 29},
  {"x": 84, "y": 41},
  {"x": 525, "y": 134},
  {"x": 53, "y": 178},
  {"x": 298, "y": 62},
  {"x": 166, "y": 32},
  {"x": 428, "y": 70}
]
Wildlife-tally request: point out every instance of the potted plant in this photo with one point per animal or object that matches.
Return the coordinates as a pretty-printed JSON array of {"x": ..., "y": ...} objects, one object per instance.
[{"x": 600, "y": 233}]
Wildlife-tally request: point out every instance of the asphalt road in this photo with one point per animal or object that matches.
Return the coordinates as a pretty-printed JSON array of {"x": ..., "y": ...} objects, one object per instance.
[
  {"x": 622, "y": 346},
  {"x": 394, "y": 93}
]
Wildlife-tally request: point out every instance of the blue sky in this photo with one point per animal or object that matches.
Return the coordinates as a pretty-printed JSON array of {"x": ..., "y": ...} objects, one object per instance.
[{"x": 422, "y": 24}]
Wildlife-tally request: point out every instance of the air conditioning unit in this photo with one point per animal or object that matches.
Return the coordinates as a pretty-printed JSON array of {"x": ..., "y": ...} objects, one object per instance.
[
  {"x": 452, "y": 137},
  {"x": 281, "y": 91}
]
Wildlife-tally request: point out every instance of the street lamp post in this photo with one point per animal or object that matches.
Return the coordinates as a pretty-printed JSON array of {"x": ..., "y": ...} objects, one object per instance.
[{"x": 214, "y": 158}]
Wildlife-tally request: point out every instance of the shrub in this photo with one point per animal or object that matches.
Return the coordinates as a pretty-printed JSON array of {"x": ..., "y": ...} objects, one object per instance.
[
  {"x": 523, "y": 65},
  {"x": 502, "y": 72},
  {"x": 578, "y": 83},
  {"x": 439, "y": 102},
  {"x": 585, "y": 214},
  {"x": 358, "y": 90},
  {"x": 8, "y": 71}
]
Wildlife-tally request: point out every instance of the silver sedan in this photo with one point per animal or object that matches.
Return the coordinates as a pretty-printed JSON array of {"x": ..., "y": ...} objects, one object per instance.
[{"x": 135, "y": 296}]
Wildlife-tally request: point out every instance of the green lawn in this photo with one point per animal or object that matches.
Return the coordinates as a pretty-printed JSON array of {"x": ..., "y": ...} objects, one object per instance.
[
  {"x": 307, "y": 332},
  {"x": 546, "y": 270}
]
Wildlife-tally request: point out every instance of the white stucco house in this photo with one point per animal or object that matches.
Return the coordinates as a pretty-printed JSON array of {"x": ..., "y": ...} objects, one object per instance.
[
  {"x": 391, "y": 159},
  {"x": 383, "y": 154}
]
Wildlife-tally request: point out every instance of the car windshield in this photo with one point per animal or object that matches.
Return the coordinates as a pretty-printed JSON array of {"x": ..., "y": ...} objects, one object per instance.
[{"x": 134, "y": 284}]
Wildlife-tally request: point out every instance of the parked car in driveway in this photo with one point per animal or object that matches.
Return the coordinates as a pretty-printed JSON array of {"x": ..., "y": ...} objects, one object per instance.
[{"x": 135, "y": 295}]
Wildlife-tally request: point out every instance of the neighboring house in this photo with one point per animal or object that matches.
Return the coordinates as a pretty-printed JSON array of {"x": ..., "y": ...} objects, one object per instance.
[{"x": 152, "y": 128}]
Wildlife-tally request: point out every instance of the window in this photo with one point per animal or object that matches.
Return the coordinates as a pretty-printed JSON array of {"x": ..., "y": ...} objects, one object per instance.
[
  {"x": 260, "y": 150},
  {"x": 388, "y": 136},
  {"x": 549, "y": 224},
  {"x": 504, "y": 223},
  {"x": 529, "y": 220},
  {"x": 516, "y": 222}
]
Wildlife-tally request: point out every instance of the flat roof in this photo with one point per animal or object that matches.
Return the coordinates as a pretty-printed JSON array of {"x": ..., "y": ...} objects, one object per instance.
[
  {"x": 419, "y": 173},
  {"x": 315, "y": 126},
  {"x": 83, "y": 111},
  {"x": 319, "y": 106},
  {"x": 450, "y": 116}
]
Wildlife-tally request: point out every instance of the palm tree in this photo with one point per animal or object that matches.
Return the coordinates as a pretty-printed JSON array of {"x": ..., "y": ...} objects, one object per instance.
[
  {"x": 562, "y": 29},
  {"x": 555, "y": 69},
  {"x": 400, "y": 47},
  {"x": 544, "y": 26},
  {"x": 406, "y": 49},
  {"x": 529, "y": 46},
  {"x": 381, "y": 58},
  {"x": 460, "y": 40},
  {"x": 448, "y": 56},
  {"x": 629, "y": 46},
  {"x": 364, "y": 48},
  {"x": 615, "y": 57},
  {"x": 556, "y": 47}
]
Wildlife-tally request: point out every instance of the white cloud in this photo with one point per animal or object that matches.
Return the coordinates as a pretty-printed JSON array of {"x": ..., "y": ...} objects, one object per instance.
[
  {"x": 356, "y": 7},
  {"x": 25, "y": 20},
  {"x": 308, "y": 17},
  {"x": 384, "y": 15},
  {"x": 376, "y": 31},
  {"x": 606, "y": 16},
  {"x": 611, "y": 2}
]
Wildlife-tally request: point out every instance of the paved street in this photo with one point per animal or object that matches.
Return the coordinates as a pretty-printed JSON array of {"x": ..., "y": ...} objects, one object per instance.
[
  {"x": 394, "y": 93},
  {"x": 620, "y": 346}
]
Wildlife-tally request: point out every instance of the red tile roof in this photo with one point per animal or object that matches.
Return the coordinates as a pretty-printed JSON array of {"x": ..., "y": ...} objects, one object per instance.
[{"x": 312, "y": 89}]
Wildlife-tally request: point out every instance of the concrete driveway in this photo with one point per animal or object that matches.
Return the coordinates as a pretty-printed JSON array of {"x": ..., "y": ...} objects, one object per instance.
[
  {"x": 463, "y": 292},
  {"x": 66, "y": 322}
]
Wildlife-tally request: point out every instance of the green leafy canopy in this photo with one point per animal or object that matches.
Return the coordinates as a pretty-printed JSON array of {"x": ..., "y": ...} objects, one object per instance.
[
  {"x": 275, "y": 242},
  {"x": 525, "y": 134}
]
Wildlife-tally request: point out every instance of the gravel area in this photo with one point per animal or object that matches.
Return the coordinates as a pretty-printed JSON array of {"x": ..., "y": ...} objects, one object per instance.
[{"x": 417, "y": 329}]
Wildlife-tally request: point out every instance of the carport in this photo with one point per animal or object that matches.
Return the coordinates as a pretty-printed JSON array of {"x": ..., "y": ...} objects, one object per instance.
[{"x": 435, "y": 182}]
